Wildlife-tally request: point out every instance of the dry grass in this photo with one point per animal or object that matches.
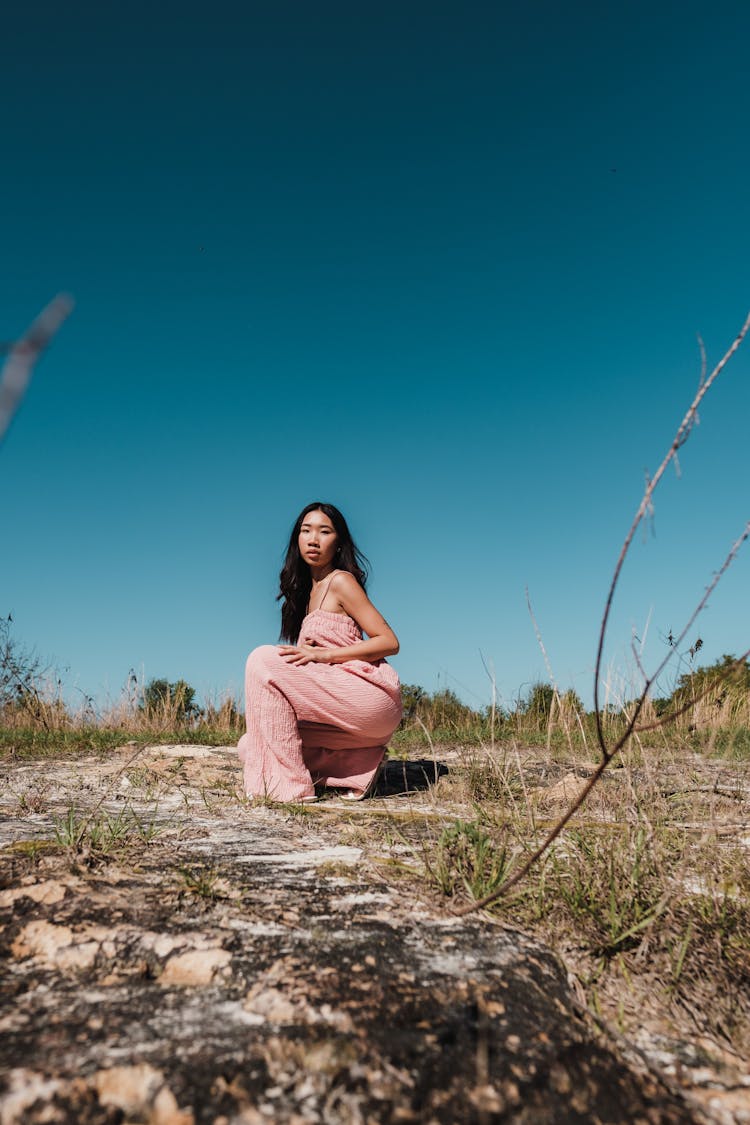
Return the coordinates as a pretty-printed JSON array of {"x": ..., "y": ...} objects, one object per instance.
[
  {"x": 645, "y": 894},
  {"x": 45, "y": 725}
]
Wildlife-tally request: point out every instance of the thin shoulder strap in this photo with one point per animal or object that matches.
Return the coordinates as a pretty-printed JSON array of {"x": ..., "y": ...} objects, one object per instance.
[{"x": 325, "y": 592}]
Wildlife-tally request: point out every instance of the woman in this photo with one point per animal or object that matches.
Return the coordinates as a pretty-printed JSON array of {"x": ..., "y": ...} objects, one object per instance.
[{"x": 321, "y": 708}]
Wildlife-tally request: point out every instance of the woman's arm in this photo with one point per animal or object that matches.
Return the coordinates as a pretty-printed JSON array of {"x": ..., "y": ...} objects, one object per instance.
[{"x": 352, "y": 599}]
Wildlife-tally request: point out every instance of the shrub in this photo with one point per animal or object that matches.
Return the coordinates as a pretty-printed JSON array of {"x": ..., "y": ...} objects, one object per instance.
[{"x": 174, "y": 702}]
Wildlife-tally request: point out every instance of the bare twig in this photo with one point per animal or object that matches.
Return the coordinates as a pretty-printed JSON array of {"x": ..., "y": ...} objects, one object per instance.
[
  {"x": 607, "y": 752},
  {"x": 680, "y": 438}
]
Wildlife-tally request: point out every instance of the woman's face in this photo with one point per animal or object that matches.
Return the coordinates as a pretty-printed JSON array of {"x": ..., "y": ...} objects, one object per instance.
[{"x": 317, "y": 539}]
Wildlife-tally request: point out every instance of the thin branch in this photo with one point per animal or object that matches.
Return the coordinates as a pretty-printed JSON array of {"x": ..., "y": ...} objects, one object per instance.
[
  {"x": 608, "y": 753},
  {"x": 521, "y": 873},
  {"x": 637, "y": 659},
  {"x": 680, "y": 437},
  {"x": 698, "y": 609}
]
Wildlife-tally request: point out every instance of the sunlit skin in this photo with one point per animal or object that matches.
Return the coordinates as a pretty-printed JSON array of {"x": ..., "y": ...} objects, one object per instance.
[{"x": 318, "y": 543}]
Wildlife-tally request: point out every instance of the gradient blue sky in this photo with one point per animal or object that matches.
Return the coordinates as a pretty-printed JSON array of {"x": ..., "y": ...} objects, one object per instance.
[{"x": 441, "y": 264}]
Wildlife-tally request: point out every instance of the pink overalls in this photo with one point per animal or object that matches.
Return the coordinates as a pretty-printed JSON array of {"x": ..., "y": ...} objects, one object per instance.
[{"x": 316, "y": 723}]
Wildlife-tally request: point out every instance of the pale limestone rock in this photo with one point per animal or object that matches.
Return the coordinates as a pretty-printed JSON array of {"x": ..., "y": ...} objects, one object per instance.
[
  {"x": 195, "y": 967},
  {"x": 130, "y": 1088},
  {"x": 42, "y": 939},
  {"x": 48, "y": 892},
  {"x": 162, "y": 944},
  {"x": 24, "y": 1089},
  {"x": 566, "y": 789},
  {"x": 140, "y": 1090},
  {"x": 165, "y": 1110},
  {"x": 272, "y": 1005},
  {"x": 77, "y": 956},
  {"x": 336, "y": 1017},
  {"x": 59, "y": 947}
]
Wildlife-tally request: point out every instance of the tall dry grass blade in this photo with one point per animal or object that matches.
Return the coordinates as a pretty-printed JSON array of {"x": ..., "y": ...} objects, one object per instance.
[
  {"x": 493, "y": 706},
  {"x": 431, "y": 745},
  {"x": 23, "y": 354},
  {"x": 557, "y": 697}
]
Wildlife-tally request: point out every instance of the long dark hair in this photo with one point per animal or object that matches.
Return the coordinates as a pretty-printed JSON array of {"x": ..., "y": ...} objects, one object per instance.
[{"x": 295, "y": 580}]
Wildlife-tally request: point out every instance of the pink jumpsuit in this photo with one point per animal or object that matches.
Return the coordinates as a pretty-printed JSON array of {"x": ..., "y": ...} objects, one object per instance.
[{"x": 316, "y": 723}]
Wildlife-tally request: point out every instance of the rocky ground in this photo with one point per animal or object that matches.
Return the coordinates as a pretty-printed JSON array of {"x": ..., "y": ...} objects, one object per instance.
[{"x": 173, "y": 955}]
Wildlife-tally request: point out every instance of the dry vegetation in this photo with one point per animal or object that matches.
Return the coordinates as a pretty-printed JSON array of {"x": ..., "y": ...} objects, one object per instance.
[{"x": 644, "y": 893}]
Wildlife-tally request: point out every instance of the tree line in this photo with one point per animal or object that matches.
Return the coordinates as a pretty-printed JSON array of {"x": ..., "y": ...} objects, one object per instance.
[{"x": 26, "y": 684}]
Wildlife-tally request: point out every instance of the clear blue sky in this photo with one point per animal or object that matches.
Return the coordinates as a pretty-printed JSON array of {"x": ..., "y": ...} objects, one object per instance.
[{"x": 441, "y": 264}]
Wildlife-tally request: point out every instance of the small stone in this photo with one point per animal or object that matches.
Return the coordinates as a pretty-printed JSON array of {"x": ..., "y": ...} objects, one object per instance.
[
  {"x": 494, "y": 1008},
  {"x": 337, "y": 1018},
  {"x": 23, "y": 1089},
  {"x": 129, "y": 1088},
  {"x": 566, "y": 789},
  {"x": 165, "y": 1110},
  {"x": 273, "y": 1005},
  {"x": 42, "y": 939},
  {"x": 78, "y": 956},
  {"x": 487, "y": 1099},
  {"x": 196, "y": 967},
  {"x": 48, "y": 892},
  {"x": 162, "y": 944},
  {"x": 559, "y": 1079}
]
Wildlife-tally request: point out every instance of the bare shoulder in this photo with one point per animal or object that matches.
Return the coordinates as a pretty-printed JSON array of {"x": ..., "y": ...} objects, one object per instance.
[
  {"x": 353, "y": 600},
  {"x": 343, "y": 580},
  {"x": 345, "y": 587}
]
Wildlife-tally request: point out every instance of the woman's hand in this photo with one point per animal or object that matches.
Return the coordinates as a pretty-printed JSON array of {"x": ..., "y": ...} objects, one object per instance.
[{"x": 305, "y": 654}]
